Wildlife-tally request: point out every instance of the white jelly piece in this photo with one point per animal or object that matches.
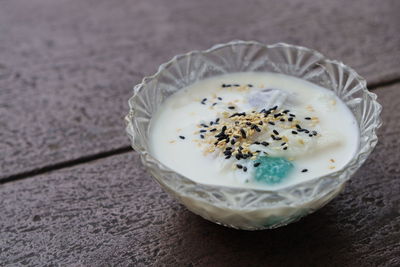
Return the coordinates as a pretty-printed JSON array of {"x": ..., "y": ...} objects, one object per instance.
[{"x": 267, "y": 98}]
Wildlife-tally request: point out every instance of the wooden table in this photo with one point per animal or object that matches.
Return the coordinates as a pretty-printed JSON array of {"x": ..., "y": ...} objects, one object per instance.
[{"x": 72, "y": 191}]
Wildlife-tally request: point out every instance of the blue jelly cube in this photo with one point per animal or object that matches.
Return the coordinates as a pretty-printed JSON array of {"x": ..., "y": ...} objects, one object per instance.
[{"x": 272, "y": 170}]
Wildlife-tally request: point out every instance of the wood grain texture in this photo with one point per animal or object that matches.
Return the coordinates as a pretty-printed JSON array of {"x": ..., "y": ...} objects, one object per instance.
[
  {"x": 67, "y": 67},
  {"x": 110, "y": 212}
]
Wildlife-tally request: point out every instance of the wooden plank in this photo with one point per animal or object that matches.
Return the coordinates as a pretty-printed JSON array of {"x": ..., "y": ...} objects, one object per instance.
[
  {"x": 67, "y": 67},
  {"x": 110, "y": 212}
]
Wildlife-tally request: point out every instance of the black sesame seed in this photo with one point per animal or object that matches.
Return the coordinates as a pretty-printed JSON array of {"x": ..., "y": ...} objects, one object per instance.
[
  {"x": 219, "y": 98},
  {"x": 273, "y": 137},
  {"x": 204, "y": 100},
  {"x": 257, "y": 164},
  {"x": 228, "y": 157},
  {"x": 245, "y": 169},
  {"x": 233, "y": 141},
  {"x": 310, "y": 135},
  {"x": 294, "y": 132},
  {"x": 298, "y": 126},
  {"x": 223, "y": 85},
  {"x": 228, "y": 148},
  {"x": 260, "y": 123},
  {"x": 248, "y": 124},
  {"x": 211, "y": 122},
  {"x": 314, "y": 132},
  {"x": 292, "y": 115},
  {"x": 214, "y": 104},
  {"x": 257, "y": 129},
  {"x": 265, "y": 143},
  {"x": 304, "y": 170},
  {"x": 285, "y": 148},
  {"x": 227, "y": 152},
  {"x": 250, "y": 85},
  {"x": 213, "y": 130},
  {"x": 231, "y": 107},
  {"x": 284, "y": 143},
  {"x": 278, "y": 138},
  {"x": 217, "y": 120},
  {"x": 277, "y": 115},
  {"x": 203, "y": 131},
  {"x": 290, "y": 119},
  {"x": 181, "y": 137},
  {"x": 243, "y": 133},
  {"x": 274, "y": 108},
  {"x": 257, "y": 143},
  {"x": 286, "y": 111},
  {"x": 275, "y": 132},
  {"x": 307, "y": 118},
  {"x": 202, "y": 136},
  {"x": 282, "y": 120},
  {"x": 223, "y": 128},
  {"x": 236, "y": 85},
  {"x": 204, "y": 125},
  {"x": 270, "y": 122}
]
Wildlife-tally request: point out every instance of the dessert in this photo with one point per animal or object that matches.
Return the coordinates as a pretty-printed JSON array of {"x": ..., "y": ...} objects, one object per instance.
[{"x": 253, "y": 130}]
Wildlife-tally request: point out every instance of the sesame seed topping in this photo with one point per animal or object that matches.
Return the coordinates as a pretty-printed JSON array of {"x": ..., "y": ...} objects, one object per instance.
[
  {"x": 307, "y": 118},
  {"x": 243, "y": 133},
  {"x": 275, "y": 132},
  {"x": 257, "y": 164},
  {"x": 182, "y": 137},
  {"x": 294, "y": 132},
  {"x": 231, "y": 107},
  {"x": 270, "y": 122},
  {"x": 219, "y": 98},
  {"x": 265, "y": 143},
  {"x": 304, "y": 170}
]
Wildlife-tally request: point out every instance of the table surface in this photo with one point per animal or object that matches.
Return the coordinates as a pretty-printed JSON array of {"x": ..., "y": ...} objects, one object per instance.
[{"x": 72, "y": 192}]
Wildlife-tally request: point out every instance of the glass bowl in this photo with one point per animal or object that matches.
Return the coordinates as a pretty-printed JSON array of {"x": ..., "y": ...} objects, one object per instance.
[{"x": 241, "y": 208}]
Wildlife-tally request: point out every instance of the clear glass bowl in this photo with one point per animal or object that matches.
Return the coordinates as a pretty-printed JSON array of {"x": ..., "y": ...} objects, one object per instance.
[{"x": 241, "y": 208}]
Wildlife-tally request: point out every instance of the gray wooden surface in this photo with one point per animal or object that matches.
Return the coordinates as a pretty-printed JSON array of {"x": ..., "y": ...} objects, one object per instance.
[
  {"x": 110, "y": 211},
  {"x": 73, "y": 193},
  {"x": 68, "y": 67}
]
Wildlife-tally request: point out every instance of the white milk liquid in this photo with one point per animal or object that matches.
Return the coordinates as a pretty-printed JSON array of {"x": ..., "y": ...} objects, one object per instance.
[{"x": 175, "y": 139}]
